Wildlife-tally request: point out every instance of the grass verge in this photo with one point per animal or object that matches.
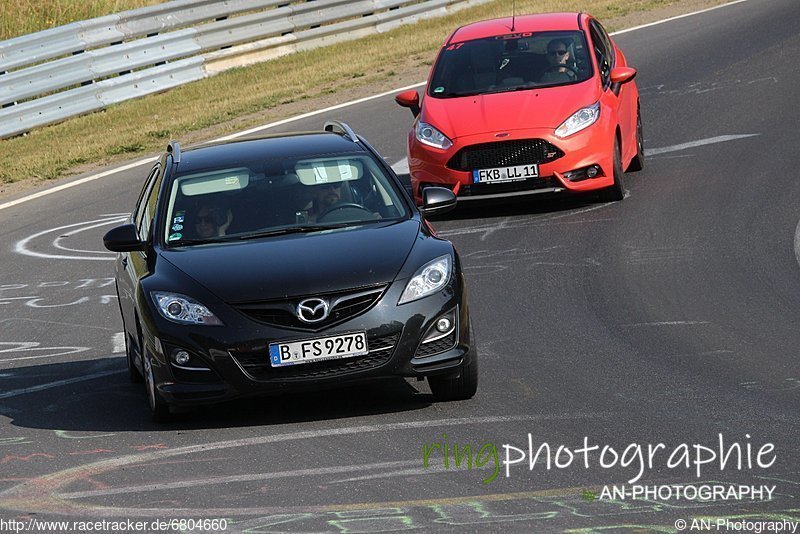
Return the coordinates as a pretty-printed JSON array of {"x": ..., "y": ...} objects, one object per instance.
[
  {"x": 272, "y": 90},
  {"x": 28, "y": 16}
]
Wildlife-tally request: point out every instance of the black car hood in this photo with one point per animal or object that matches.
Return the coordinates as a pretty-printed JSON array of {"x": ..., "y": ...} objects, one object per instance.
[{"x": 299, "y": 264}]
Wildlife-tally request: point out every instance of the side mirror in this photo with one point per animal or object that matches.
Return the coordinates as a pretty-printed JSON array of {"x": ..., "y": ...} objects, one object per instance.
[
  {"x": 622, "y": 74},
  {"x": 123, "y": 238},
  {"x": 409, "y": 99},
  {"x": 437, "y": 200}
]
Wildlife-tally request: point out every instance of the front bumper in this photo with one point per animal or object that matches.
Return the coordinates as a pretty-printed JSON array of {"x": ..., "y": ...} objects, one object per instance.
[
  {"x": 591, "y": 146},
  {"x": 237, "y": 355}
]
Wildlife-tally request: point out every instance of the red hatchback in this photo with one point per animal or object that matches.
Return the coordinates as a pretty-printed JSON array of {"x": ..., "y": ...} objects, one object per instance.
[{"x": 531, "y": 104}]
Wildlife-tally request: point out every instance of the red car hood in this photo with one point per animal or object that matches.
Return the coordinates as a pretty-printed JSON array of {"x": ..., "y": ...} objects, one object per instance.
[{"x": 514, "y": 110}]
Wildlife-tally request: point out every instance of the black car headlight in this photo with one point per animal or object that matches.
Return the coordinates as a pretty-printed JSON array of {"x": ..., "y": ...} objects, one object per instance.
[
  {"x": 183, "y": 310},
  {"x": 429, "y": 279}
]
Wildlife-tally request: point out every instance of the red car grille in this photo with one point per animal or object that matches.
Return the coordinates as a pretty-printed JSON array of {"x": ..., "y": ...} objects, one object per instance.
[{"x": 504, "y": 154}]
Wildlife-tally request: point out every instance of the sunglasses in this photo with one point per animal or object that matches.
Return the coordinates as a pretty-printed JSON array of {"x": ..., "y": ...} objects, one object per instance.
[
  {"x": 205, "y": 219},
  {"x": 557, "y": 52}
]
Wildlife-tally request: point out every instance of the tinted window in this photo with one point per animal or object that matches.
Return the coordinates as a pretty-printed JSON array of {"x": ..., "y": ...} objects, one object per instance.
[
  {"x": 602, "y": 53},
  {"x": 510, "y": 62},
  {"x": 146, "y": 207},
  {"x": 280, "y": 195}
]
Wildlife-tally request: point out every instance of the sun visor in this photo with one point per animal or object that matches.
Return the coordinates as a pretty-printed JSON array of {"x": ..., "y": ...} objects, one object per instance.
[
  {"x": 215, "y": 182},
  {"x": 328, "y": 170}
]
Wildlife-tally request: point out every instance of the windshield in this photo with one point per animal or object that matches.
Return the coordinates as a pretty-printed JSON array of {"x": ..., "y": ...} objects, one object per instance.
[
  {"x": 510, "y": 63},
  {"x": 265, "y": 198}
]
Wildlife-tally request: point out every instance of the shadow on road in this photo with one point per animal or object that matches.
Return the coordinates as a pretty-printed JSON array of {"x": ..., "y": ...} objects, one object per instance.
[{"x": 41, "y": 397}]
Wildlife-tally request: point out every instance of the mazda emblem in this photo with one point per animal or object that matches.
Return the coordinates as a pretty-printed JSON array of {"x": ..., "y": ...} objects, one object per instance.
[{"x": 312, "y": 310}]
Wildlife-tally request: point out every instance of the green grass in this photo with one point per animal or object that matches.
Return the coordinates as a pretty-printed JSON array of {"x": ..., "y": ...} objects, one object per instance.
[
  {"x": 28, "y": 16},
  {"x": 142, "y": 126}
]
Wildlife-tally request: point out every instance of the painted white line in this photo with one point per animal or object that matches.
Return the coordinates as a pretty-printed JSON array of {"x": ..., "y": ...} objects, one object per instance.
[
  {"x": 299, "y": 117},
  {"x": 87, "y": 179},
  {"x": 22, "y": 246},
  {"x": 797, "y": 242},
  {"x": 699, "y": 142},
  {"x": 401, "y": 167},
  {"x": 668, "y": 323},
  {"x": 676, "y": 17},
  {"x": 239, "y": 478},
  {"x": 318, "y": 112},
  {"x": 59, "y": 383},
  {"x": 118, "y": 342}
]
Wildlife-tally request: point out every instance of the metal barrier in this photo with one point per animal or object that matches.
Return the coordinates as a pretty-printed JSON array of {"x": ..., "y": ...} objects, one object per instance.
[{"x": 49, "y": 76}]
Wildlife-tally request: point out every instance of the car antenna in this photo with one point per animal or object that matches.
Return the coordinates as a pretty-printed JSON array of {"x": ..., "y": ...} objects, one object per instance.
[{"x": 513, "y": 13}]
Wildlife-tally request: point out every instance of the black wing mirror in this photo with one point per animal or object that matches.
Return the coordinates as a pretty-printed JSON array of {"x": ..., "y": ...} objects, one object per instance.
[
  {"x": 123, "y": 238},
  {"x": 437, "y": 200}
]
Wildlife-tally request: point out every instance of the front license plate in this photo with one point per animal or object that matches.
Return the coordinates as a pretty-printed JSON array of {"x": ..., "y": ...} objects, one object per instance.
[
  {"x": 321, "y": 348},
  {"x": 505, "y": 174}
]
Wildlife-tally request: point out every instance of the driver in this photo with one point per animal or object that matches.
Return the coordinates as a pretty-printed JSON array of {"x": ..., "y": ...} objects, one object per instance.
[
  {"x": 557, "y": 55},
  {"x": 324, "y": 196}
]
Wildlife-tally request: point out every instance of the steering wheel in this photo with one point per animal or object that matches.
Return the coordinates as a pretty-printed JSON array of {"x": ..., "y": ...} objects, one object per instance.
[
  {"x": 342, "y": 206},
  {"x": 570, "y": 68}
]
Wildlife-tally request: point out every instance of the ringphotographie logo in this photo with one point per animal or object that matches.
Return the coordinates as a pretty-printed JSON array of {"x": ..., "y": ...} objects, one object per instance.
[{"x": 635, "y": 460}]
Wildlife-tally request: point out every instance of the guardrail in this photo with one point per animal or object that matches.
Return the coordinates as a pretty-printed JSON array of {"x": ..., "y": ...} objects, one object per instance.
[{"x": 52, "y": 75}]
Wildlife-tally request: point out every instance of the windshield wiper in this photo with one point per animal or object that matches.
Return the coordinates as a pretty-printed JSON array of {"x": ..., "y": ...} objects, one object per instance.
[
  {"x": 510, "y": 89},
  {"x": 199, "y": 241},
  {"x": 302, "y": 229}
]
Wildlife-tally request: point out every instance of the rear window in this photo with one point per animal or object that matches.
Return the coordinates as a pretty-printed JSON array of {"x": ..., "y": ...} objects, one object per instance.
[{"x": 509, "y": 63}]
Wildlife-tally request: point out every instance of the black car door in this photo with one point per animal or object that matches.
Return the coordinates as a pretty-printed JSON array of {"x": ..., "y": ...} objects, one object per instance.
[{"x": 132, "y": 266}]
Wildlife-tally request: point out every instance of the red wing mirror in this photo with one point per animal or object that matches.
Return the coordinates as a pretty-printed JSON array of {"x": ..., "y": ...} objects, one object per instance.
[
  {"x": 409, "y": 99},
  {"x": 622, "y": 74}
]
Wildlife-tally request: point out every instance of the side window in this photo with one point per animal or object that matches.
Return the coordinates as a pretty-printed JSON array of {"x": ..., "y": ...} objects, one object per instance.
[
  {"x": 606, "y": 41},
  {"x": 147, "y": 204},
  {"x": 602, "y": 53}
]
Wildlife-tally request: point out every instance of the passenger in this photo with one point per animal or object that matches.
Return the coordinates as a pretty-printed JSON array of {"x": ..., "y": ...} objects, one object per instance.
[{"x": 208, "y": 222}]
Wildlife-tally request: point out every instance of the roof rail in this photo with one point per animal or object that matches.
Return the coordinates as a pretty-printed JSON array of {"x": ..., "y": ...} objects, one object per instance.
[
  {"x": 174, "y": 148},
  {"x": 341, "y": 128}
]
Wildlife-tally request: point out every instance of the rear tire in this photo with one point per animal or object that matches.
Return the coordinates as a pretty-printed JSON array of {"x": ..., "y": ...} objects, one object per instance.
[
  {"x": 462, "y": 387},
  {"x": 617, "y": 190},
  {"x": 637, "y": 163}
]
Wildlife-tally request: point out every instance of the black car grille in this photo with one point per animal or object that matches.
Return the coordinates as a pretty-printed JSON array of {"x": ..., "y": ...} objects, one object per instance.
[
  {"x": 257, "y": 366},
  {"x": 344, "y": 305},
  {"x": 504, "y": 154},
  {"x": 435, "y": 347}
]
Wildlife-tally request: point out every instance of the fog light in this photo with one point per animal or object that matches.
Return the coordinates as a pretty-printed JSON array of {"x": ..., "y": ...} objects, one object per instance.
[
  {"x": 181, "y": 357},
  {"x": 444, "y": 324},
  {"x": 592, "y": 171}
]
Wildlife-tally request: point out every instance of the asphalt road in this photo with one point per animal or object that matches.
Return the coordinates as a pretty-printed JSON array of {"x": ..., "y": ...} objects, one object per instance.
[{"x": 670, "y": 317}]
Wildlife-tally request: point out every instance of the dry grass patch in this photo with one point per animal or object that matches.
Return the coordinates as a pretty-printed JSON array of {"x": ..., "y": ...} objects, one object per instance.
[{"x": 28, "y": 16}]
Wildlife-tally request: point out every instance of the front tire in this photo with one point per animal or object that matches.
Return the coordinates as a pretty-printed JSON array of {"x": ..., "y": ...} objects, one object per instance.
[
  {"x": 134, "y": 374},
  {"x": 462, "y": 387},
  {"x": 617, "y": 190},
  {"x": 159, "y": 410},
  {"x": 637, "y": 163}
]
